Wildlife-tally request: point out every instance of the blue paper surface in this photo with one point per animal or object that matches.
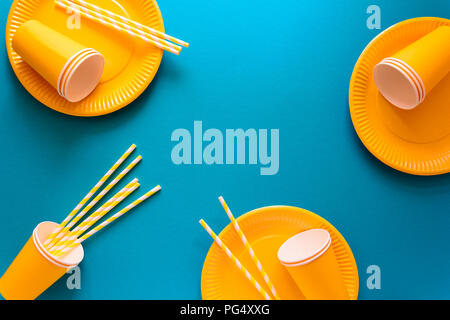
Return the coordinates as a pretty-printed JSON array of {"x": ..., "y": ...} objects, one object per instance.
[{"x": 282, "y": 65}]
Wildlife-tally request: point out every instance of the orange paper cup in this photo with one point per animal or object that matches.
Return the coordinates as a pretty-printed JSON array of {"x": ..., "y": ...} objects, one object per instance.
[
  {"x": 408, "y": 76},
  {"x": 313, "y": 266},
  {"x": 72, "y": 69},
  {"x": 35, "y": 269}
]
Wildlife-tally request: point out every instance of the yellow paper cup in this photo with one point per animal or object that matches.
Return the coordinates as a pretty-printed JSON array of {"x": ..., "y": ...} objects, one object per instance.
[
  {"x": 35, "y": 269},
  {"x": 406, "y": 78},
  {"x": 313, "y": 266},
  {"x": 72, "y": 69}
]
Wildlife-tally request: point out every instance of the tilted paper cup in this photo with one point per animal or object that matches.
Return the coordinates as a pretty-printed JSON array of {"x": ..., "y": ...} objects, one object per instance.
[
  {"x": 35, "y": 269},
  {"x": 72, "y": 69},
  {"x": 406, "y": 78},
  {"x": 313, "y": 266}
]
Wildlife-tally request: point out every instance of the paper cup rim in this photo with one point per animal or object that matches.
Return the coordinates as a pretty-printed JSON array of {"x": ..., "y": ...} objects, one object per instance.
[
  {"x": 412, "y": 84},
  {"x": 93, "y": 84},
  {"x": 411, "y": 73},
  {"x": 72, "y": 68},
  {"x": 72, "y": 60},
  {"x": 406, "y": 76},
  {"x": 304, "y": 262},
  {"x": 47, "y": 255},
  {"x": 311, "y": 257}
]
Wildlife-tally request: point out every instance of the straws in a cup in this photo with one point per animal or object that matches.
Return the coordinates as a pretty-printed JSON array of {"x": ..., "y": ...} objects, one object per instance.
[
  {"x": 112, "y": 219},
  {"x": 63, "y": 240},
  {"x": 90, "y": 194},
  {"x": 123, "y": 24},
  {"x": 86, "y": 209},
  {"x": 38, "y": 266},
  {"x": 94, "y": 217}
]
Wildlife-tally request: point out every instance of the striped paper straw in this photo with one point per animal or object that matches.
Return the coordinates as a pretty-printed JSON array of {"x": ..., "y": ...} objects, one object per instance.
[
  {"x": 97, "y": 215},
  {"x": 110, "y": 220},
  {"x": 89, "y": 15},
  {"x": 235, "y": 260},
  {"x": 131, "y": 22},
  {"x": 90, "y": 194},
  {"x": 130, "y": 28},
  {"x": 249, "y": 248},
  {"x": 95, "y": 201}
]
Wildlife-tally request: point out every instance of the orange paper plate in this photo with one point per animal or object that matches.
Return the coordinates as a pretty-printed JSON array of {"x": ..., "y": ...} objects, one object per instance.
[
  {"x": 267, "y": 229},
  {"x": 414, "y": 141},
  {"x": 131, "y": 64}
]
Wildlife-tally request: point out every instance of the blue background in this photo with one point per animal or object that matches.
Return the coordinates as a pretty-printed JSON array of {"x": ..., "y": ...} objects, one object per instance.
[{"x": 252, "y": 64}]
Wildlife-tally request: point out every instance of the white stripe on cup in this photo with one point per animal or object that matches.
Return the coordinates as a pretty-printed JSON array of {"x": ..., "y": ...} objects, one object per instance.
[
  {"x": 66, "y": 66},
  {"x": 75, "y": 66},
  {"x": 414, "y": 75},
  {"x": 407, "y": 75}
]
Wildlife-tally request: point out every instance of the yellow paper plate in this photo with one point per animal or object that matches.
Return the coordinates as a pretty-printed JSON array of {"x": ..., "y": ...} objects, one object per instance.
[
  {"x": 131, "y": 64},
  {"x": 414, "y": 141},
  {"x": 266, "y": 229}
]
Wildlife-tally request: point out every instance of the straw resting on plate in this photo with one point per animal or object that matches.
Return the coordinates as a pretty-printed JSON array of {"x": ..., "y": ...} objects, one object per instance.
[
  {"x": 249, "y": 248},
  {"x": 235, "y": 260},
  {"x": 123, "y": 24}
]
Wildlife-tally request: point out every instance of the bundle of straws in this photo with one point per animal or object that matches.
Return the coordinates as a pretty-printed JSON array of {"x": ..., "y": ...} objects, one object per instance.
[
  {"x": 123, "y": 24},
  {"x": 68, "y": 234},
  {"x": 250, "y": 251}
]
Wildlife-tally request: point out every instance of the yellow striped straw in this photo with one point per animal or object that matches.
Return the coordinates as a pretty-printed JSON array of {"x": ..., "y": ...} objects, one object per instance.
[
  {"x": 94, "y": 202},
  {"x": 97, "y": 215},
  {"x": 131, "y": 22},
  {"x": 110, "y": 220},
  {"x": 89, "y": 14},
  {"x": 235, "y": 260},
  {"x": 90, "y": 194},
  {"x": 249, "y": 248},
  {"x": 118, "y": 24}
]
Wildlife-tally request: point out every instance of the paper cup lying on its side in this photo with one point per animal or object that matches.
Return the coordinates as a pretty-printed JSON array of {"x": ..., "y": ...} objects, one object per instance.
[
  {"x": 408, "y": 76},
  {"x": 313, "y": 266},
  {"x": 35, "y": 269},
  {"x": 72, "y": 69}
]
